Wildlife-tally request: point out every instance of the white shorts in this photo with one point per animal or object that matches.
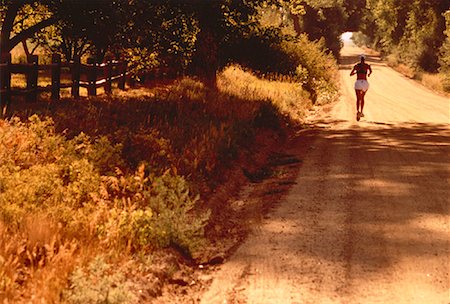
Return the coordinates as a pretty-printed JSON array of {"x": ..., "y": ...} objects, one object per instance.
[{"x": 362, "y": 85}]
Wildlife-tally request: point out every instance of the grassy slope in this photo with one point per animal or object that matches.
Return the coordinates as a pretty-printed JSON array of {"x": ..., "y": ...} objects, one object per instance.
[{"x": 91, "y": 211}]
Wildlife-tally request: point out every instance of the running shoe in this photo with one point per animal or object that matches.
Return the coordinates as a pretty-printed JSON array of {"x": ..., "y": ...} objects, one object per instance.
[
  {"x": 361, "y": 114},
  {"x": 358, "y": 116}
]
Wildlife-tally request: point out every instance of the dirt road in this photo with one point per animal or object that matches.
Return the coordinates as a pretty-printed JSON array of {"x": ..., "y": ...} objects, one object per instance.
[{"x": 368, "y": 218}]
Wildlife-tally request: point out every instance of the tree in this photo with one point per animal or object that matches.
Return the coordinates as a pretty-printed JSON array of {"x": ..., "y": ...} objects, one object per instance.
[
  {"x": 354, "y": 14},
  {"x": 319, "y": 19},
  {"x": 87, "y": 26},
  {"x": 166, "y": 41},
  {"x": 77, "y": 25},
  {"x": 220, "y": 23},
  {"x": 410, "y": 29},
  {"x": 423, "y": 36},
  {"x": 444, "y": 54},
  {"x": 10, "y": 11}
]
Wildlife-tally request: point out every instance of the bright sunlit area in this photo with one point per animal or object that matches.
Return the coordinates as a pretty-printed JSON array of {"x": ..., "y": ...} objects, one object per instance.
[{"x": 347, "y": 36}]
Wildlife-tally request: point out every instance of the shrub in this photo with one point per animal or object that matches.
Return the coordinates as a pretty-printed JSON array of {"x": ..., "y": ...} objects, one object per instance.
[
  {"x": 59, "y": 180},
  {"x": 141, "y": 61},
  {"x": 47, "y": 173},
  {"x": 315, "y": 68},
  {"x": 269, "y": 51},
  {"x": 360, "y": 39},
  {"x": 153, "y": 211},
  {"x": 108, "y": 174},
  {"x": 261, "y": 50},
  {"x": 433, "y": 81},
  {"x": 99, "y": 283}
]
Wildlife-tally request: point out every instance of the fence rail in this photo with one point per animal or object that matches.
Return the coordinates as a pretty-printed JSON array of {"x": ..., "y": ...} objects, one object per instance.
[{"x": 91, "y": 76}]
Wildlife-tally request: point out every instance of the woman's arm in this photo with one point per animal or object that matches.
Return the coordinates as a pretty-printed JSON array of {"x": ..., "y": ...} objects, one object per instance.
[
  {"x": 353, "y": 72},
  {"x": 370, "y": 70}
]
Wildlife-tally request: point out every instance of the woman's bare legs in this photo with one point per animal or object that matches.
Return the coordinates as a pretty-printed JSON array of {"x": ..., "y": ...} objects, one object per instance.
[
  {"x": 359, "y": 103},
  {"x": 362, "y": 102},
  {"x": 358, "y": 99}
]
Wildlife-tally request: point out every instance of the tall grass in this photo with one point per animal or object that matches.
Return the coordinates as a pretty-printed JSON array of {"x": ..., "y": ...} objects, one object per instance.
[
  {"x": 284, "y": 93},
  {"x": 434, "y": 82}
]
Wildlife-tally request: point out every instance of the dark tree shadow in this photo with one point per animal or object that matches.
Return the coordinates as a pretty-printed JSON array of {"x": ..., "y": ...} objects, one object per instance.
[{"x": 394, "y": 178}]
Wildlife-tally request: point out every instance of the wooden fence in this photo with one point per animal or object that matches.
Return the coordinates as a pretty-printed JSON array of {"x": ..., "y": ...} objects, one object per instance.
[{"x": 91, "y": 76}]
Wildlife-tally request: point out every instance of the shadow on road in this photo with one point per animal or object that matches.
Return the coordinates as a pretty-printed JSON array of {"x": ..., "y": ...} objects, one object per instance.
[
  {"x": 346, "y": 62},
  {"x": 388, "y": 184}
]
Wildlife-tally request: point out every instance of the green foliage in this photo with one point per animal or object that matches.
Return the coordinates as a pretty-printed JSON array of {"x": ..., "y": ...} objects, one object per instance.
[
  {"x": 386, "y": 21},
  {"x": 411, "y": 30},
  {"x": 444, "y": 58},
  {"x": 99, "y": 283},
  {"x": 261, "y": 50},
  {"x": 421, "y": 39},
  {"x": 46, "y": 172},
  {"x": 164, "y": 41},
  {"x": 268, "y": 50},
  {"x": 141, "y": 61},
  {"x": 156, "y": 212},
  {"x": 324, "y": 21},
  {"x": 315, "y": 69},
  {"x": 179, "y": 37},
  {"x": 65, "y": 179},
  {"x": 360, "y": 39}
]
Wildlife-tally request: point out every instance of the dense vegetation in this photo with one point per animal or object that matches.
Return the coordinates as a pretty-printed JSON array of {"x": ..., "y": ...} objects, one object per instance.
[
  {"x": 410, "y": 32},
  {"x": 89, "y": 193},
  {"x": 93, "y": 192}
]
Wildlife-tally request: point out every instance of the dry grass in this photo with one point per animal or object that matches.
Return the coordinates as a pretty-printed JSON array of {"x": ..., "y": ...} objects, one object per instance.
[
  {"x": 198, "y": 130},
  {"x": 183, "y": 128},
  {"x": 433, "y": 81},
  {"x": 34, "y": 261},
  {"x": 285, "y": 94},
  {"x": 393, "y": 62}
]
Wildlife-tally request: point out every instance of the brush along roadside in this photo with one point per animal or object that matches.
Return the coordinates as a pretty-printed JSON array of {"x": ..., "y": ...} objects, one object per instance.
[{"x": 115, "y": 185}]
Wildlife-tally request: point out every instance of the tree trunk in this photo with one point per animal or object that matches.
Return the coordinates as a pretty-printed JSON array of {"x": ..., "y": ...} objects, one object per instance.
[
  {"x": 296, "y": 21},
  {"x": 25, "y": 48},
  {"x": 205, "y": 62},
  {"x": 6, "y": 42},
  {"x": 6, "y": 29}
]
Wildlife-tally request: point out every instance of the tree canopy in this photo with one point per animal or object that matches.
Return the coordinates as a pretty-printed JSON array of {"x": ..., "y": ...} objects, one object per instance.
[
  {"x": 200, "y": 36},
  {"x": 412, "y": 30}
]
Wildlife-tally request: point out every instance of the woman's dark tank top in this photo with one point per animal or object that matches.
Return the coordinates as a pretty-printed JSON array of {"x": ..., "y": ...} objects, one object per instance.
[{"x": 361, "y": 70}]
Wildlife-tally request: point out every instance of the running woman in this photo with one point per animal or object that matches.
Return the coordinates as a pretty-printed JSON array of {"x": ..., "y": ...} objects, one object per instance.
[{"x": 362, "y": 71}]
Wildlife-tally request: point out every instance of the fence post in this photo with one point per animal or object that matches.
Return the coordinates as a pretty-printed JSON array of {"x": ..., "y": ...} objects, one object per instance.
[
  {"x": 108, "y": 76},
  {"x": 56, "y": 76},
  {"x": 32, "y": 78},
  {"x": 123, "y": 72},
  {"x": 5, "y": 82},
  {"x": 76, "y": 68},
  {"x": 92, "y": 77}
]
